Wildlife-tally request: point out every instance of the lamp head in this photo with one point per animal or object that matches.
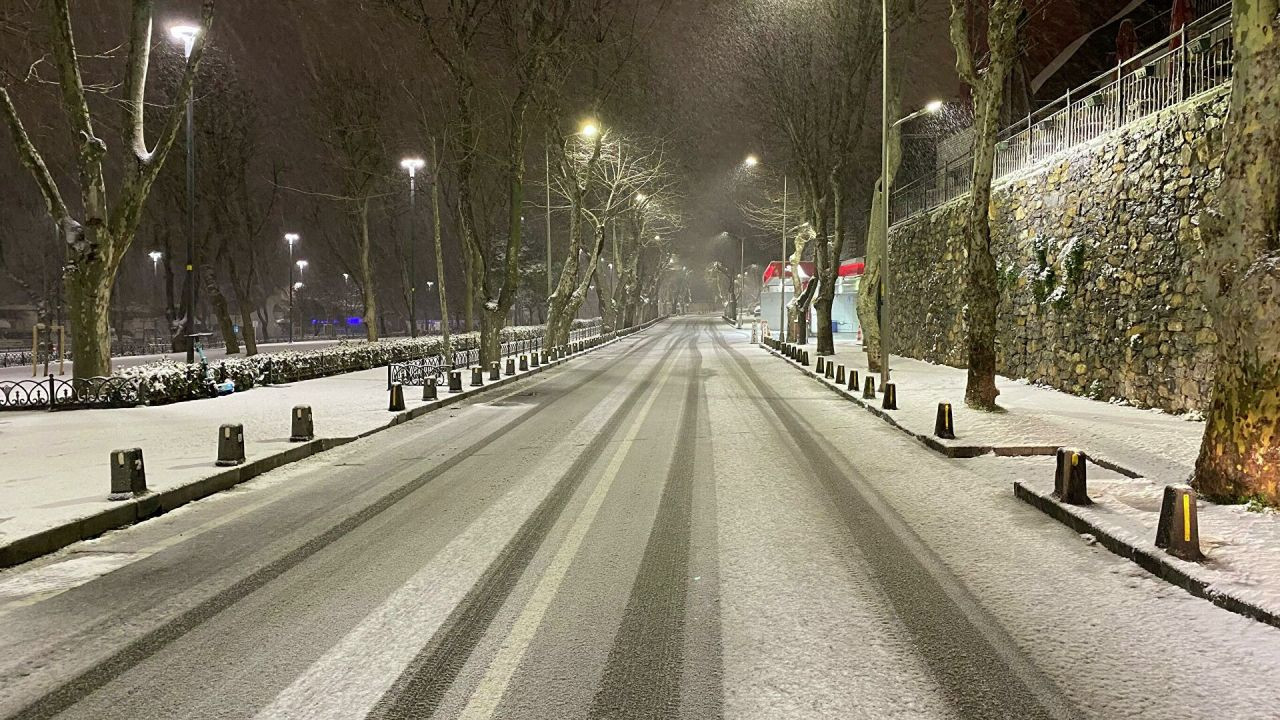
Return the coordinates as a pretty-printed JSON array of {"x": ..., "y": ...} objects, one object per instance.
[
  {"x": 589, "y": 129},
  {"x": 185, "y": 34},
  {"x": 413, "y": 165},
  {"x": 155, "y": 255},
  {"x": 292, "y": 238},
  {"x": 302, "y": 264},
  {"x": 933, "y": 107},
  {"x": 751, "y": 161}
]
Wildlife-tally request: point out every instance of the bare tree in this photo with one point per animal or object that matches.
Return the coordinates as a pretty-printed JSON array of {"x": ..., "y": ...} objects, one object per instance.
[
  {"x": 601, "y": 178},
  {"x": 98, "y": 235},
  {"x": 815, "y": 70},
  {"x": 350, "y": 102},
  {"x": 988, "y": 86},
  {"x": 1240, "y": 454}
]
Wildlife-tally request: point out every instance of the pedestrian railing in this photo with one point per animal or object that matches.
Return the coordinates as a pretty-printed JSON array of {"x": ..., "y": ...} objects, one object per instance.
[
  {"x": 53, "y": 393},
  {"x": 1189, "y": 63}
]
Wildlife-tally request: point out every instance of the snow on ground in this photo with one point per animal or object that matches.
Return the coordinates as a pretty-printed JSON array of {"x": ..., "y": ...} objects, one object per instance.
[
  {"x": 1150, "y": 442},
  {"x": 23, "y": 372},
  {"x": 1242, "y": 547},
  {"x": 54, "y": 466}
]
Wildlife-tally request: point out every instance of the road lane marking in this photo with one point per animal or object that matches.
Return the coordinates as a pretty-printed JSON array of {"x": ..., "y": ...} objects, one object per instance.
[
  {"x": 493, "y": 686},
  {"x": 349, "y": 679}
]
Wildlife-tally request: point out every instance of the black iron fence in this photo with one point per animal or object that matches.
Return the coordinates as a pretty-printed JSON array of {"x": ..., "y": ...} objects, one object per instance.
[{"x": 53, "y": 393}]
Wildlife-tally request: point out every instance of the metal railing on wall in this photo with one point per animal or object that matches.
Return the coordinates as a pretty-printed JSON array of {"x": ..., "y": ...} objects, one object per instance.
[{"x": 1189, "y": 63}]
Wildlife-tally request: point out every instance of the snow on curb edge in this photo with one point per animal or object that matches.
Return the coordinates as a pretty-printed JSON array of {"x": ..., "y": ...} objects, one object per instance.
[{"x": 1187, "y": 575}]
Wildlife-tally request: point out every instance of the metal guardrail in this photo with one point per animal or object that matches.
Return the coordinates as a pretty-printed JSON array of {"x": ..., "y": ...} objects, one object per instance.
[
  {"x": 1180, "y": 67},
  {"x": 53, "y": 393}
]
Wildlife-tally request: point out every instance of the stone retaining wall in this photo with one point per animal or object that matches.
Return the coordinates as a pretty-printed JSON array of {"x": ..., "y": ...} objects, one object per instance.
[{"x": 1100, "y": 266}]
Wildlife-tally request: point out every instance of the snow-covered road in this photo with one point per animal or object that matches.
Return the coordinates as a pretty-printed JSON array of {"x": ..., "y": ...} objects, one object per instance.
[{"x": 678, "y": 527}]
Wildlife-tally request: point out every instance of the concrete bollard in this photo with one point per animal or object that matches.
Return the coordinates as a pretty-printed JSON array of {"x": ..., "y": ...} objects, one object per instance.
[
  {"x": 396, "y": 402},
  {"x": 804, "y": 358},
  {"x": 231, "y": 443},
  {"x": 830, "y": 370},
  {"x": 944, "y": 426},
  {"x": 128, "y": 474},
  {"x": 477, "y": 377},
  {"x": 430, "y": 391},
  {"x": 853, "y": 381},
  {"x": 1070, "y": 482},
  {"x": 822, "y": 364},
  {"x": 535, "y": 359},
  {"x": 511, "y": 366},
  {"x": 869, "y": 389},
  {"x": 524, "y": 363},
  {"x": 839, "y": 374},
  {"x": 1178, "y": 531},
  {"x": 890, "y": 399},
  {"x": 455, "y": 381},
  {"x": 495, "y": 370},
  {"x": 304, "y": 428}
]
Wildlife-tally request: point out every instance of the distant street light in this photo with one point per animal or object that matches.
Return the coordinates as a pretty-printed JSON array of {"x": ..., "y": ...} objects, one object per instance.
[
  {"x": 186, "y": 35},
  {"x": 155, "y": 256},
  {"x": 291, "y": 238},
  {"x": 413, "y": 165},
  {"x": 882, "y": 307},
  {"x": 589, "y": 129},
  {"x": 302, "y": 265},
  {"x": 751, "y": 162}
]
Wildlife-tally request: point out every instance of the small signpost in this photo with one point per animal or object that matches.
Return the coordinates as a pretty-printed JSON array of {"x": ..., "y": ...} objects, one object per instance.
[{"x": 48, "y": 331}]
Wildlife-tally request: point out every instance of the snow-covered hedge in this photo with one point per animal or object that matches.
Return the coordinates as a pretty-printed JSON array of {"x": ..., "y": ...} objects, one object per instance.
[{"x": 166, "y": 381}]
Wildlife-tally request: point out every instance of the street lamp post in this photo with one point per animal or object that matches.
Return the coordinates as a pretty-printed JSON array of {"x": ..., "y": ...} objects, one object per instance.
[
  {"x": 187, "y": 34},
  {"x": 751, "y": 162},
  {"x": 883, "y": 306},
  {"x": 413, "y": 165},
  {"x": 291, "y": 238}
]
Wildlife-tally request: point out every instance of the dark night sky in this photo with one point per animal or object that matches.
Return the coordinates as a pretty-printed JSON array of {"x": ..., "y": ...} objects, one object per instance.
[{"x": 692, "y": 87}]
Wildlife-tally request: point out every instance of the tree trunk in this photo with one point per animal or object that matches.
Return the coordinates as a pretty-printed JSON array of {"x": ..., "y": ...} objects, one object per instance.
[
  {"x": 1240, "y": 454},
  {"x": 88, "y": 304},
  {"x": 221, "y": 311},
  {"x": 437, "y": 240},
  {"x": 366, "y": 272},
  {"x": 869, "y": 297},
  {"x": 247, "y": 330},
  {"x": 982, "y": 292}
]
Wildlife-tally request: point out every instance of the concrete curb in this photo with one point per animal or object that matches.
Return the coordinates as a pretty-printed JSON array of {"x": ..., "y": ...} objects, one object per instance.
[
  {"x": 935, "y": 444},
  {"x": 1187, "y": 575},
  {"x": 130, "y": 512}
]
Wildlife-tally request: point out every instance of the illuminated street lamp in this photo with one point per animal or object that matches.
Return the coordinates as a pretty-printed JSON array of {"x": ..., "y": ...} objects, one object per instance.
[
  {"x": 589, "y": 129},
  {"x": 186, "y": 35},
  {"x": 155, "y": 256},
  {"x": 882, "y": 307},
  {"x": 751, "y": 162},
  {"x": 292, "y": 239},
  {"x": 412, "y": 166}
]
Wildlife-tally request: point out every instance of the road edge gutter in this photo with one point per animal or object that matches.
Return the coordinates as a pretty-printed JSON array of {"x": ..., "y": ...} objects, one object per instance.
[
  {"x": 1193, "y": 578},
  {"x": 1189, "y": 576}
]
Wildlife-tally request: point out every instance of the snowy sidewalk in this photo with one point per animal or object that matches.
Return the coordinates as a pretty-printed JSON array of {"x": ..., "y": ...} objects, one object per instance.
[
  {"x": 1241, "y": 569},
  {"x": 54, "y": 472},
  {"x": 1149, "y": 442}
]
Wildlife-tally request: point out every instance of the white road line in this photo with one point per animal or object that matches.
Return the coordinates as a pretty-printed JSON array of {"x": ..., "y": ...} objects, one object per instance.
[
  {"x": 350, "y": 678},
  {"x": 493, "y": 686}
]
